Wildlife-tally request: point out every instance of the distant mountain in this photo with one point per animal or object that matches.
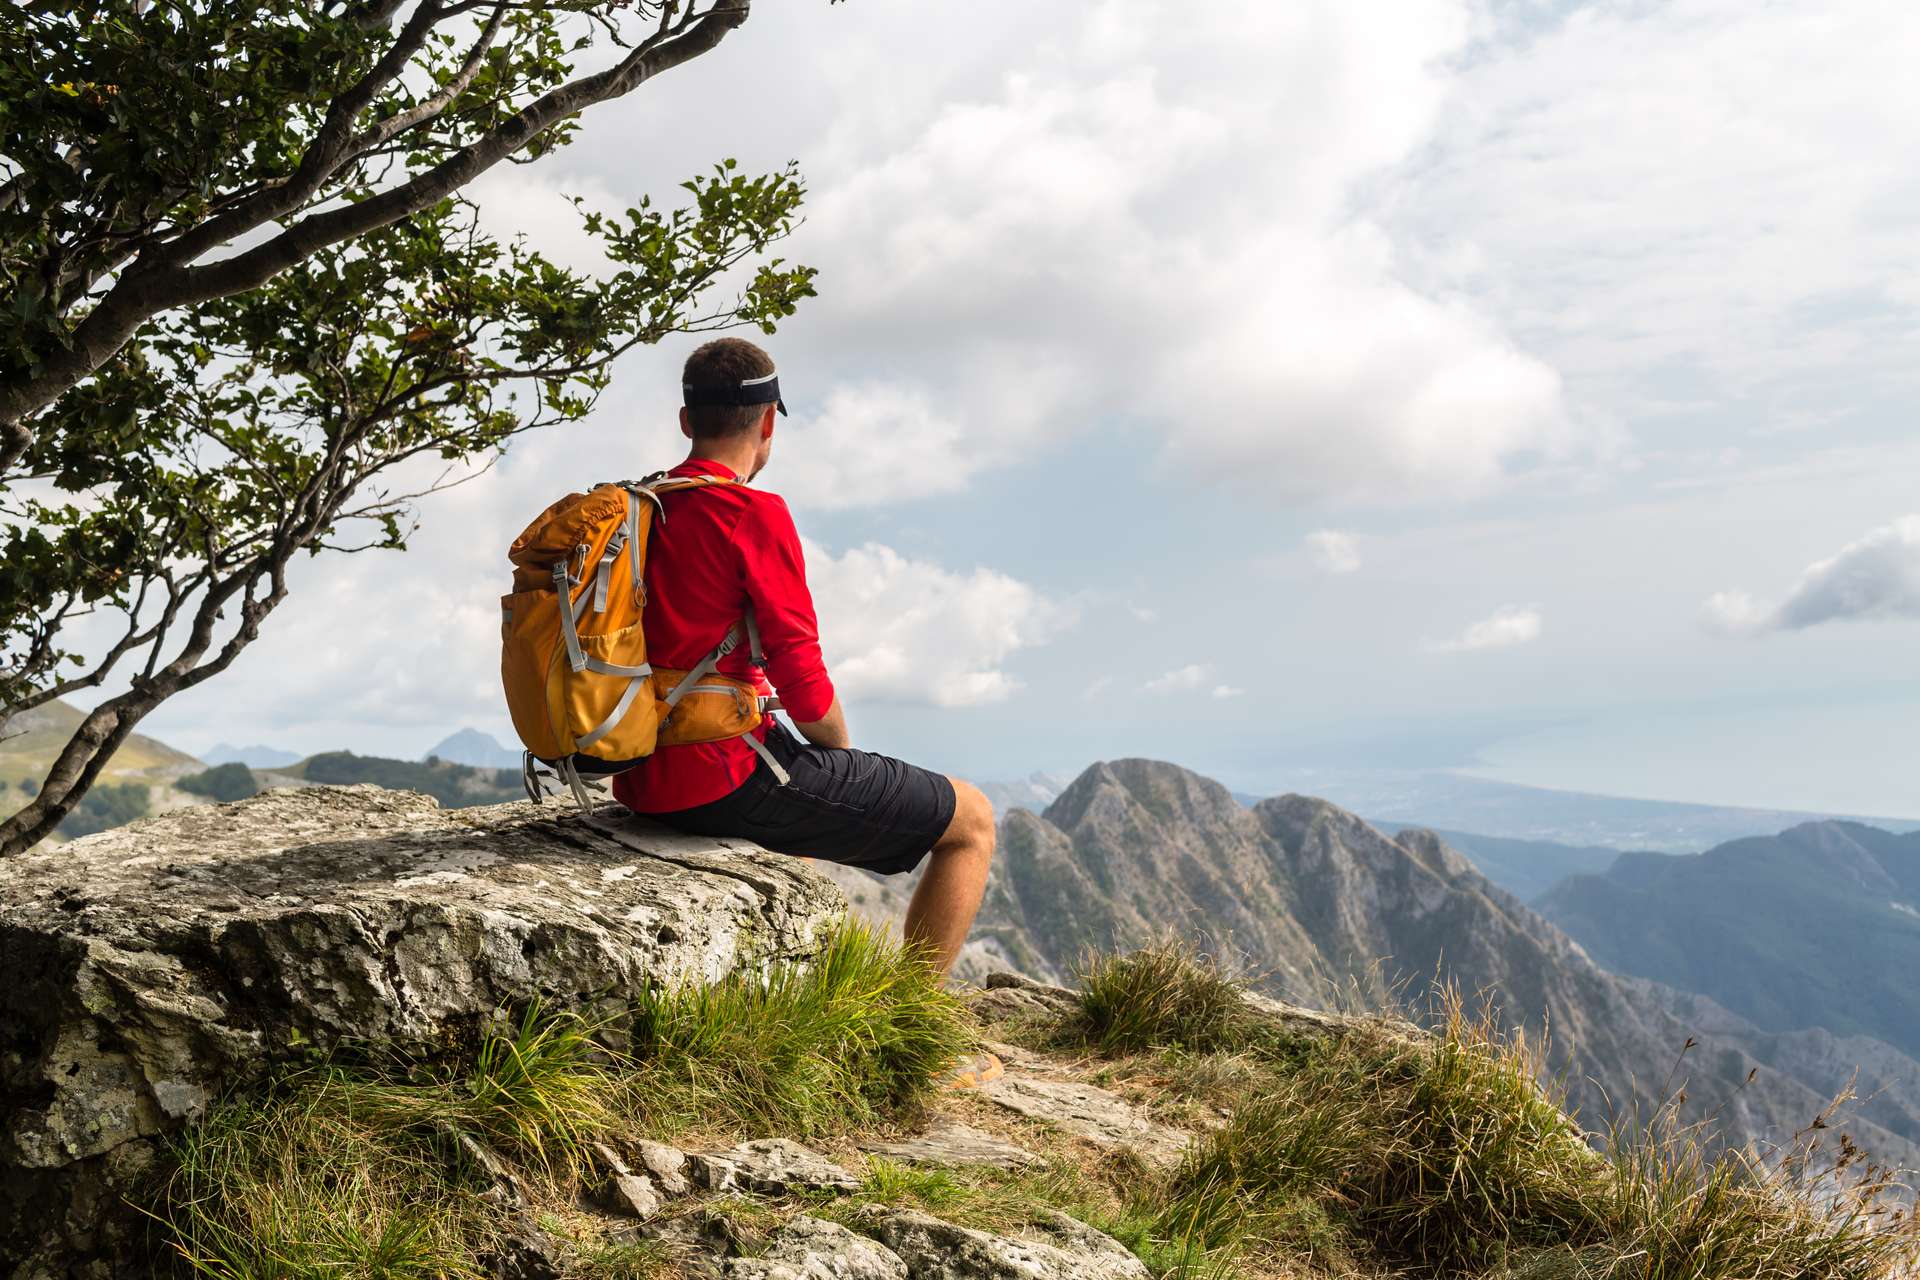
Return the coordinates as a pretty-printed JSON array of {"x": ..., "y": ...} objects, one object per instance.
[
  {"x": 472, "y": 747},
  {"x": 1458, "y": 802},
  {"x": 1035, "y": 791},
  {"x": 1815, "y": 926},
  {"x": 1306, "y": 895},
  {"x": 1524, "y": 868},
  {"x": 254, "y": 757}
]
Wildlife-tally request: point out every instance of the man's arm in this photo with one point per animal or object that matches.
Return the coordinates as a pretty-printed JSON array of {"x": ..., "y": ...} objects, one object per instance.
[
  {"x": 774, "y": 576},
  {"x": 829, "y": 730}
]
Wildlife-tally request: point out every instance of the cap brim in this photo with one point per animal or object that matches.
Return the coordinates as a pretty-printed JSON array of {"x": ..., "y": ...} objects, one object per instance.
[{"x": 782, "y": 406}]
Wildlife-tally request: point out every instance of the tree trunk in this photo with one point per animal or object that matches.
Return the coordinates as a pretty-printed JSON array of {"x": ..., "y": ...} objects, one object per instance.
[{"x": 76, "y": 769}]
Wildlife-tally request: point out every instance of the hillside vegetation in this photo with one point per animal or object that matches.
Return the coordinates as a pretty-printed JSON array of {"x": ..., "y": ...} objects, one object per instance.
[
  {"x": 453, "y": 785},
  {"x": 137, "y": 780},
  {"x": 1324, "y": 1148},
  {"x": 33, "y": 738}
]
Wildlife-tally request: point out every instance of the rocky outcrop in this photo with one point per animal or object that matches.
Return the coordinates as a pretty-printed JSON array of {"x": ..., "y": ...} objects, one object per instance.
[
  {"x": 950, "y": 1144},
  {"x": 149, "y": 969},
  {"x": 814, "y": 1249},
  {"x": 1087, "y": 1111},
  {"x": 770, "y": 1167},
  {"x": 1059, "y": 1248},
  {"x": 908, "y": 1245}
]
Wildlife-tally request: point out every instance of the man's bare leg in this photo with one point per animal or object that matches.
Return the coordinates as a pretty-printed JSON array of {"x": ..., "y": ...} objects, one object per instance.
[{"x": 949, "y": 891}]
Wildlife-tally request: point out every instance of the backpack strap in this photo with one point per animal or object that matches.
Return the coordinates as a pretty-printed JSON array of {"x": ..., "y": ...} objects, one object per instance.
[
  {"x": 727, "y": 644},
  {"x": 563, "y": 590},
  {"x": 754, "y": 655},
  {"x": 760, "y": 749}
]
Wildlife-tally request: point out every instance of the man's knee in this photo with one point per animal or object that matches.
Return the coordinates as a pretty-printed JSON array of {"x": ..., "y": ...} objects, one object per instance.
[{"x": 973, "y": 824}]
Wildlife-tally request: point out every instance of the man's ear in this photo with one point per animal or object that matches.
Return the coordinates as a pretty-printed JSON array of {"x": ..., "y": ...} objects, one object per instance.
[
  {"x": 686, "y": 427},
  {"x": 766, "y": 424}
]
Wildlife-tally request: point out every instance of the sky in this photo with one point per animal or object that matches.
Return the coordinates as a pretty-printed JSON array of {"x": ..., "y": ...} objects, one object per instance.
[{"x": 1519, "y": 387}]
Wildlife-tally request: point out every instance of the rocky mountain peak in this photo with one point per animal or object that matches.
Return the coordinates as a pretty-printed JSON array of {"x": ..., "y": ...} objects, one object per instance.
[{"x": 1137, "y": 791}]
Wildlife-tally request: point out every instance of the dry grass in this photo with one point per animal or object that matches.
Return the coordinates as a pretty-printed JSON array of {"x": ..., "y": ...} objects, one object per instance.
[{"x": 1447, "y": 1155}]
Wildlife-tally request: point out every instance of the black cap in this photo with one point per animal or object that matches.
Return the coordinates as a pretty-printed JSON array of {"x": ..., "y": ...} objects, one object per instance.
[{"x": 748, "y": 391}]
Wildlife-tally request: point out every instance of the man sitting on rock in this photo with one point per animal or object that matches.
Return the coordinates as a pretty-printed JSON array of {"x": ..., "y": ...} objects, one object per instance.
[{"x": 720, "y": 549}]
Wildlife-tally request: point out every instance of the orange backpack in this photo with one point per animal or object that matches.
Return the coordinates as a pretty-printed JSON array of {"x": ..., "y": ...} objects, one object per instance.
[{"x": 573, "y": 656}]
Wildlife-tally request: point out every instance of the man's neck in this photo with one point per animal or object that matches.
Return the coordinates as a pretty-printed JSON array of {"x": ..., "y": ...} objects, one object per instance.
[{"x": 738, "y": 460}]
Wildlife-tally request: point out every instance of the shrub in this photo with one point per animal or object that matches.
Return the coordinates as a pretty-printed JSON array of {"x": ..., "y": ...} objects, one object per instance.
[{"x": 224, "y": 782}]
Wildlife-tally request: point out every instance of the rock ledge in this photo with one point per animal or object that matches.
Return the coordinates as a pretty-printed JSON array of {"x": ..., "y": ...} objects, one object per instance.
[{"x": 151, "y": 968}]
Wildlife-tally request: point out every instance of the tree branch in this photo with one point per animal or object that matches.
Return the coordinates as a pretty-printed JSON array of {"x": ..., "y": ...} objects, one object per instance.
[{"x": 145, "y": 289}]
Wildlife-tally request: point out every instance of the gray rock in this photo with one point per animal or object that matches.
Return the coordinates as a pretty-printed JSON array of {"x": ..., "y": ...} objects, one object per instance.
[
  {"x": 814, "y": 1249},
  {"x": 623, "y": 1190},
  {"x": 668, "y": 1165},
  {"x": 1060, "y": 1248},
  {"x": 770, "y": 1166},
  {"x": 152, "y": 967},
  {"x": 526, "y": 1253},
  {"x": 949, "y": 1143},
  {"x": 1011, "y": 996},
  {"x": 1089, "y": 1112},
  {"x": 634, "y": 1195}
]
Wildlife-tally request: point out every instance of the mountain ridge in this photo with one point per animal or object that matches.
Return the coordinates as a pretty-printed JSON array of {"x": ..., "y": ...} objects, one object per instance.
[
  {"x": 1816, "y": 923},
  {"x": 1308, "y": 895}
]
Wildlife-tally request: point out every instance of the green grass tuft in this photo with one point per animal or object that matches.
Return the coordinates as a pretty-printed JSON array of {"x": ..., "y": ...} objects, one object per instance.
[
  {"x": 798, "y": 1049},
  {"x": 539, "y": 1094},
  {"x": 294, "y": 1187},
  {"x": 1167, "y": 995}
]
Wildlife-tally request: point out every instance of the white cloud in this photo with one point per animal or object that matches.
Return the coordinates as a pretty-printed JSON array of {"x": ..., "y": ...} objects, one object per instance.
[
  {"x": 1733, "y": 613},
  {"x": 1647, "y": 205},
  {"x": 1036, "y": 254},
  {"x": 1334, "y": 551},
  {"x": 1876, "y": 578},
  {"x": 911, "y": 631},
  {"x": 1180, "y": 679},
  {"x": 1143, "y": 613},
  {"x": 871, "y": 444},
  {"x": 1509, "y": 626},
  {"x": 1227, "y": 691}
]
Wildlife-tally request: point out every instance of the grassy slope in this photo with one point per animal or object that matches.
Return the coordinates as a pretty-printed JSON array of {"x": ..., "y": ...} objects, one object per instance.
[{"x": 1364, "y": 1152}]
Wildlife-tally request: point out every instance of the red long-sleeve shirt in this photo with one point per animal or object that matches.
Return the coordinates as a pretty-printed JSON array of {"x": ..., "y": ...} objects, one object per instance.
[{"x": 720, "y": 547}]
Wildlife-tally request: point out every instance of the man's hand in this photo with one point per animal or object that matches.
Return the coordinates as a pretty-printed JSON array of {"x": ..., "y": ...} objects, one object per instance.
[{"x": 829, "y": 730}]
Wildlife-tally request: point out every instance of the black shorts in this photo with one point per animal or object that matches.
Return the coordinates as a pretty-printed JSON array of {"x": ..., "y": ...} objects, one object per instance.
[{"x": 842, "y": 805}]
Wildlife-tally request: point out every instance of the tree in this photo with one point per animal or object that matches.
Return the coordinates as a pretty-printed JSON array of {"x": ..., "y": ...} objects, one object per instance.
[
  {"x": 177, "y": 430},
  {"x": 143, "y": 137},
  {"x": 229, "y": 781}
]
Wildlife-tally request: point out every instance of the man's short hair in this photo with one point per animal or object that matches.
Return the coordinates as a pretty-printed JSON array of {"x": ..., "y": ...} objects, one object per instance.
[{"x": 724, "y": 362}]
